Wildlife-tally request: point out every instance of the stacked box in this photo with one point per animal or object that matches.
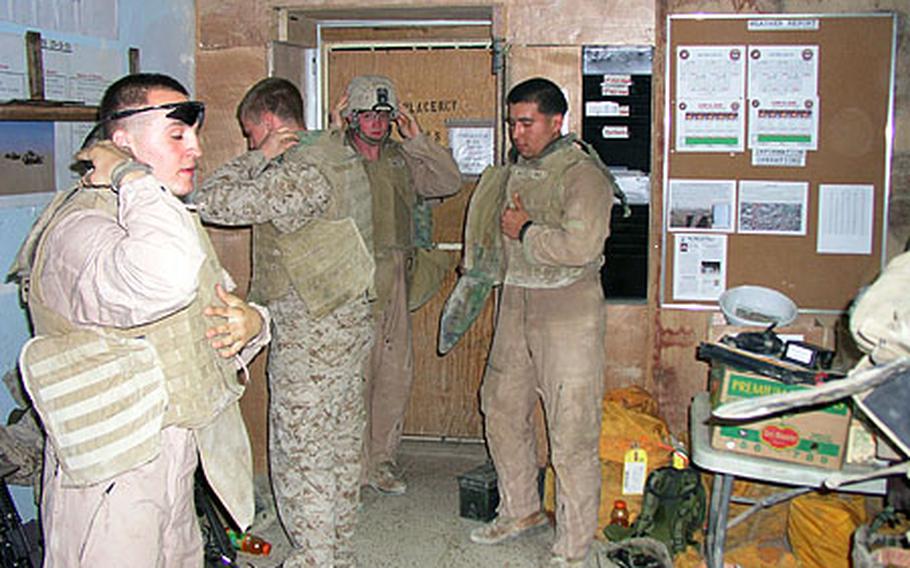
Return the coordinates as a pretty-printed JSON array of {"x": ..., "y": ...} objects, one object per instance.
[{"x": 815, "y": 437}]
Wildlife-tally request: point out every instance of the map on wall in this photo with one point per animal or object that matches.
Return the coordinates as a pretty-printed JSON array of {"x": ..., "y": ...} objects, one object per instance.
[{"x": 85, "y": 17}]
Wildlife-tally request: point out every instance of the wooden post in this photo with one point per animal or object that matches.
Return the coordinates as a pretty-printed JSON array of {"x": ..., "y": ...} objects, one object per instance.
[
  {"x": 35, "y": 62},
  {"x": 133, "y": 56}
]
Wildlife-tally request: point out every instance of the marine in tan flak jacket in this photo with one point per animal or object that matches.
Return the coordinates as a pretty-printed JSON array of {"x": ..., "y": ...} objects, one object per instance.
[
  {"x": 402, "y": 176},
  {"x": 133, "y": 368},
  {"x": 307, "y": 197},
  {"x": 537, "y": 226}
]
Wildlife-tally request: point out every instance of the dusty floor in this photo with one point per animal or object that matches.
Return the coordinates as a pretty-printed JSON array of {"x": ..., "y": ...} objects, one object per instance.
[{"x": 423, "y": 529}]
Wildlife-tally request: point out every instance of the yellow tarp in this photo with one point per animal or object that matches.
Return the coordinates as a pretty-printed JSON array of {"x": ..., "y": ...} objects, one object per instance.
[
  {"x": 630, "y": 416},
  {"x": 820, "y": 528}
]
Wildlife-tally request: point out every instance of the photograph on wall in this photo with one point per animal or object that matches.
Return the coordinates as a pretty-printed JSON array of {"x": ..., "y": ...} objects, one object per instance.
[
  {"x": 26, "y": 157},
  {"x": 68, "y": 139},
  {"x": 845, "y": 218},
  {"x": 772, "y": 207},
  {"x": 710, "y": 94},
  {"x": 701, "y": 205},
  {"x": 699, "y": 266},
  {"x": 783, "y": 97}
]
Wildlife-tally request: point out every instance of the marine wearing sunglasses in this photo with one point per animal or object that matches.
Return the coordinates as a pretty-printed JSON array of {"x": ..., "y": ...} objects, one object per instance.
[{"x": 166, "y": 138}]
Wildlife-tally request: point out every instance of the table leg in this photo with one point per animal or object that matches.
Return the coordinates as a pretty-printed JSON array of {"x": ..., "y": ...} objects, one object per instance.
[{"x": 717, "y": 520}]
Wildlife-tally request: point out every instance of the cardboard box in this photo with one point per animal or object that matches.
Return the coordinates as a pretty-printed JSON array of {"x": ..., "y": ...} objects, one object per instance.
[{"x": 816, "y": 437}]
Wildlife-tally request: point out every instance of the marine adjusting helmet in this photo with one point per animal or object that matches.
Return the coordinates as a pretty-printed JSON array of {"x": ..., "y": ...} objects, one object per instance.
[{"x": 371, "y": 92}]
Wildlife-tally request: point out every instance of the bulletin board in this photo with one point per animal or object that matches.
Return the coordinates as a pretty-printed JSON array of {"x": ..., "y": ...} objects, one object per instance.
[{"x": 849, "y": 161}]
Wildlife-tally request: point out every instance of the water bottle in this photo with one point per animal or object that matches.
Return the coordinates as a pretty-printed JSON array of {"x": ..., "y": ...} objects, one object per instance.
[
  {"x": 246, "y": 542},
  {"x": 620, "y": 514}
]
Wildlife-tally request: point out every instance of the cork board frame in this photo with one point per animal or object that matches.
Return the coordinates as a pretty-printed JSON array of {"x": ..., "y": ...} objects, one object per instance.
[{"x": 855, "y": 86}]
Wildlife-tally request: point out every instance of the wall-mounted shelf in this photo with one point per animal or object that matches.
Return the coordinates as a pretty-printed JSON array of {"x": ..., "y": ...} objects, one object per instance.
[{"x": 48, "y": 110}]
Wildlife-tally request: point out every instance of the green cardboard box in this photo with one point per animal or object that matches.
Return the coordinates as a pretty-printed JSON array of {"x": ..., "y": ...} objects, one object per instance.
[{"x": 816, "y": 437}]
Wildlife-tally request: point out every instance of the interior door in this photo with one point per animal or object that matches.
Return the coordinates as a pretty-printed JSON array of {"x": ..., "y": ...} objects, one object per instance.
[{"x": 435, "y": 84}]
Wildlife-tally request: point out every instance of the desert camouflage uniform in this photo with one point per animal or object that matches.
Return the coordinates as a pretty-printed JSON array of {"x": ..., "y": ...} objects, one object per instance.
[
  {"x": 416, "y": 167},
  {"x": 316, "y": 413}
]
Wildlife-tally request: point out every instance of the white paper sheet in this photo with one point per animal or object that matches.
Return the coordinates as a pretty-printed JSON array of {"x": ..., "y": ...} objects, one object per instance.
[
  {"x": 710, "y": 96},
  {"x": 472, "y": 147},
  {"x": 699, "y": 266},
  {"x": 783, "y": 97},
  {"x": 13, "y": 67},
  {"x": 84, "y": 17},
  {"x": 845, "y": 218}
]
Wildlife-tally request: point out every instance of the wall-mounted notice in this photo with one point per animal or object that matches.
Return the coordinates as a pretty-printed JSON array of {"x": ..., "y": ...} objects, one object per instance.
[
  {"x": 79, "y": 72},
  {"x": 84, "y": 17},
  {"x": 845, "y": 217},
  {"x": 812, "y": 185},
  {"x": 472, "y": 147},
  {"x": 710, "y": 94},
  {"x": 783, "y": 97},
  {"x": 605, "y": 108},
  {"x": 615, "y": 132},
  {"x": 616, "y": 85},
  {"x": 773, "y": 207},
  {"x": 782, "y": 25},
  {"x": 778, "y": 158},
  {"x": 13, "y": 71},
  {"x": 701, "y": 205},
  {"x": 699, "y": 266}
]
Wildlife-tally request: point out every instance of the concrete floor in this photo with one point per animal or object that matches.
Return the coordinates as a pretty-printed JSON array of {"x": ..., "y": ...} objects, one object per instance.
[{"x": 422, "y": 529}]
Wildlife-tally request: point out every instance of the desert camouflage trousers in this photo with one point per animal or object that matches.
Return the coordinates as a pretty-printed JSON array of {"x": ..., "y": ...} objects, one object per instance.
[
  {"x": 548, "y": 345},
  {"x": 316, "y": 422},
  {"x": 390, "y": 371}
]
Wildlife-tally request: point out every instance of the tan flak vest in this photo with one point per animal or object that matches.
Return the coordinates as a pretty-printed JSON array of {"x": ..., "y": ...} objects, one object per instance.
[
  {"x": 104, "y": 393},
  {"x": 329, "y": 261},
  {"x": 393, "y": 199},
  {"x": 393, "y": 204},
  {"x": 539, "y": 183}
]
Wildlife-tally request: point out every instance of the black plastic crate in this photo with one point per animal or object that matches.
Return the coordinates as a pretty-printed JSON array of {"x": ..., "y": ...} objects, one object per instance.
[{"x": 478, "y": 494}]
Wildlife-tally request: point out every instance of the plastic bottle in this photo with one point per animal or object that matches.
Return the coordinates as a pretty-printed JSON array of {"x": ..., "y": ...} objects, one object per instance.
[
  {"x": 620, "y": 514},
  {"x": 249, "y": 543}
]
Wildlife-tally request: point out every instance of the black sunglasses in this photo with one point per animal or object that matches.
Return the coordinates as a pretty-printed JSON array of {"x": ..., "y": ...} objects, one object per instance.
[{"x": 187, "y": 112}]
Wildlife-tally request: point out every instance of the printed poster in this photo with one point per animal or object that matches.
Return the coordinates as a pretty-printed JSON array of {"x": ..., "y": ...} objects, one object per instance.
[
  {"x": 783, "y": 97},
  {"x": 710, "y": 98},
  {"x": 699, "y": 266}
]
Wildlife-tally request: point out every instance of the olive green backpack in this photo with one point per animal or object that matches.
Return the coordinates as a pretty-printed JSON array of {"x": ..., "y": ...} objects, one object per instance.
[{"x": 672, "y": 510}]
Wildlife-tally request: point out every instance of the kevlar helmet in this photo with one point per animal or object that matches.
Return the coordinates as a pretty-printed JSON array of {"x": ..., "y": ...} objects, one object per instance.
[{"x": 371, "y": 92}]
